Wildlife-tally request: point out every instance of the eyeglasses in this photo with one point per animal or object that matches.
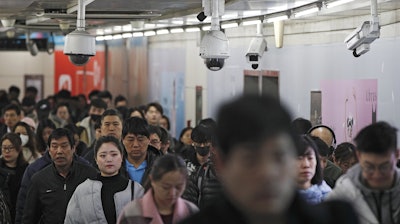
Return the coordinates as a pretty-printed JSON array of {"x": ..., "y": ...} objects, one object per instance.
[
  {"x": 383, "y": 169},
  {"x": 7, "y": 148},
  {"x": 155, "y": 141}
]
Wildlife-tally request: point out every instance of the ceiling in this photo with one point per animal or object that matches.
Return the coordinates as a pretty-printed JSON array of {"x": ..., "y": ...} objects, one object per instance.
[{"x": 47, "y": 15}]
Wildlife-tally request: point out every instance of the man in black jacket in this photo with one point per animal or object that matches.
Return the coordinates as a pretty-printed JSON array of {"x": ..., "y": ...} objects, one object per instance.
[
  {"x": 256, "y": 162},
  {"x": 52, "y": 187}
]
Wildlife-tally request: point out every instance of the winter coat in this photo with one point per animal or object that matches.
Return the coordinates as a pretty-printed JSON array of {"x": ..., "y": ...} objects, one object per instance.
[
  {"x": 316, "y": 193},
  {"x": 369, "y": 203},
  {"x": 86, "y": 206},
  {"x": 299, "y": 212},
  {"x": 203, "y": 186},
  {"x": 86, "y": 134},
  {"x": 144, "y": 210},
  {"x": 49, "y": 193},
  {"x": 33, "y": 168}
]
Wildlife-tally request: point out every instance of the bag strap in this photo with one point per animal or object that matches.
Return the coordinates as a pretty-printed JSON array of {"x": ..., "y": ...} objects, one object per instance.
[{"x": 132, "y": 189}]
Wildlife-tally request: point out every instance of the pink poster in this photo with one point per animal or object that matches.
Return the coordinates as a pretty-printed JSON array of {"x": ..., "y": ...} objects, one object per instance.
[{"x": 348, "y": 106}]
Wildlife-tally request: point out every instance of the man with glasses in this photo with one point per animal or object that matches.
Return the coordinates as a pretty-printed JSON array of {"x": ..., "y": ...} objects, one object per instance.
[
  {"x": 373, "y": 185},
  {"x": 139, "y": 156},
  {"x": 52, "y": 187}
]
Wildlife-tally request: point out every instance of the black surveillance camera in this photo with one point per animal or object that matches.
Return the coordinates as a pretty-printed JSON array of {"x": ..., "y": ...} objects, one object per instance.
[{"x": 201, "y": 16}]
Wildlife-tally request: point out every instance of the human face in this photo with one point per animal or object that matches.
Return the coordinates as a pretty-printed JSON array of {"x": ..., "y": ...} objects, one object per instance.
[
  {"x": 136, "y": 146},
  {"x": 306, "y": 165},
  {"x": 46, "y": 133},
  {"x": 153, "y": 116},
  {"x": 9, "y": 152},
  {"x": 121, "y": 104},
  {"x": 186, "y": 137},
  {"x": 21, "y": 130},
  {"x": 164, "y": 123},
  {"x": 96, "y": 110},
  {"x": 260, "y": 177},
  {"x": 61, "y": 152},
  {"x": 62, "y": 112},
  {"x": 111, "y": 126},
  {"x": 108, "y": 159},
  {"x": 11, "y": 118},
  {"x": 346, "y": 164},
  {"x": 155, "y": 141},
  {"x": 378, "y": 170},
  {"x": 169, "y": 188}
]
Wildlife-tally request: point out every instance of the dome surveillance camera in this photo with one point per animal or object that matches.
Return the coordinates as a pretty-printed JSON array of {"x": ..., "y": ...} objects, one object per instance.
[
  {"x": 214, "y": 49},
  {"x": 79, "y": 46}
]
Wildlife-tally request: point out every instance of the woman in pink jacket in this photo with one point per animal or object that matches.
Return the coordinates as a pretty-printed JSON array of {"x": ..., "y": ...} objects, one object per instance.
[{"x": 162, "y": 203}]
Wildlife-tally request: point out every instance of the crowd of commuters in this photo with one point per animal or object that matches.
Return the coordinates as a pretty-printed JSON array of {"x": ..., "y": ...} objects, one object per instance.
[{"x": 64, "y": 160}]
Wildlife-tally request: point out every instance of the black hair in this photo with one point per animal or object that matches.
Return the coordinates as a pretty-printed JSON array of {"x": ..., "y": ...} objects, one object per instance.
[
  {"x": 73, "y": 128},
  {"x": 250, "y": 118},
  {"x": 28, "y": 101},
  {"x": 97, "y": 124},
  {"x": 211, "y": 124},
  {"x": 344, "y": 151},
  {"x": 16, "y": 142},
  {"x": 301, "y": 126},
  {"x": 59, "y": 133},
  {"x": 136, "y": 126},
  {"x": 14, "y": 89},
  {"x": 155, "y": 130},
  {"x": 201, "y": 134},
  {"x": 123, "y": 110},
  {"x": 377, "y": 138},
  {"x": 323, "y": 148},
  {"x": 107, "y": 139},
  {"x": 168, "y": 122},
  {"x": 63, "y": 94},
  {"x": 133, "y": 109},
  {"x": 13, "y": 107},
  {"x": 155, "y": 105},
  {"x": 306, "y": 142},
  {"x": 118, "y": 99},
  {"x": 105, "y": 94},
  {"x": 184, "y": 130},
  {"x": 99, "y": 103},
  {"x": 93, "y": 93},
  {"x": 45, "y": 123},
  {"x": 111, "y": 112},
  {"x": 165, "y": 164},
  {"x": 164, "y": 136},
  {"x": 32, "y": 143},
  {"x": 31, "y": 89}
]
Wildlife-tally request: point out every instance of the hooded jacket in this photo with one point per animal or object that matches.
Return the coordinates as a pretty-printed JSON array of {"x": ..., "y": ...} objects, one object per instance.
[{"x": 372, "y": 206}]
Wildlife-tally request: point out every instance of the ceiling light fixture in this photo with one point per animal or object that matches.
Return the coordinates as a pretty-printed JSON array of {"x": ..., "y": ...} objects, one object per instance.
[
  {"x": 192, "y": 29},
  {"x": 162, "y": 31},
  {"x": 149, "y": 33},
  {"x": 306, "y": 12},
  {"x": 137, "y": 34},
  {"x": 277, "y": 18},
  {"x": 177, "y": 30},
  {"x": 337, "y": 3},
  {"x": 229, "y": 25},
  {"x": 126, "y": 35},
  {"x": 251, "y": 22}
]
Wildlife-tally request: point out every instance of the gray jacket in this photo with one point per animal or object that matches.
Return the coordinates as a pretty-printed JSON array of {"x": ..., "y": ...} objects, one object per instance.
[
  {"x": 86, "y": 207},
  {"x": 371, "y": 205}
]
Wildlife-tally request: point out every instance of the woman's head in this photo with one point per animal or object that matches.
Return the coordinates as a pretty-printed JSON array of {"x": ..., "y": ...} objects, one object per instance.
[
  {"x": 108, "y": 155},
  {"x": 344, "y": 156},
  {"x": 135, "y": 112},
  {"x": 309, "y": 167},
  {"x": 28, "y": 137},
  {"x": 62, "y": 111},
  {"x": 11, "y": 149},
  {"x": 185, "y": 136},
  {"x": 44, "y": 130},
  {"x": 168, "y": 179}
]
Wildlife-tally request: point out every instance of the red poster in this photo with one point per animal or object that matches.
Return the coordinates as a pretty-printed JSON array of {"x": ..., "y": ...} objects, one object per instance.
[{"x": 79, "y": 79}]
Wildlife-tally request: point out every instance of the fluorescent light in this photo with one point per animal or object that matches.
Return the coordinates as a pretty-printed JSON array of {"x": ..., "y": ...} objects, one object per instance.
[
  {"x": 278, "y": 18},
  {"x": 126, "y": 35},
  {"x": 117, "y": 36},
  {"x": 251, "y": 13},
  {"x": 192, "y": 29},
  {"x": 206, "y": 28},
  {"x": 149, "y": 33},
  {"x": 162, "y": 31},
  {"x": 108, "y": 37},
  {"x": 137, "y": 34},
  {"x": 177, "y": 22},
  {"x": 127, "y": 27},
  {"x": 99, "y": 32},
  {"x": 117, "y": 28},
  {"x": 108, "y": 30},
  {"x": 337, "y": 3},
  {"x": 251, "y": 22},
  {"x": 229, "y": 15},
  {"x": 177, "y": 30},
  {"x": 149, "y": 25},
  {"x": 229, "y": 25},
  {"x": 306, "y": 12},
  {"x": 99, "y": 38}
]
